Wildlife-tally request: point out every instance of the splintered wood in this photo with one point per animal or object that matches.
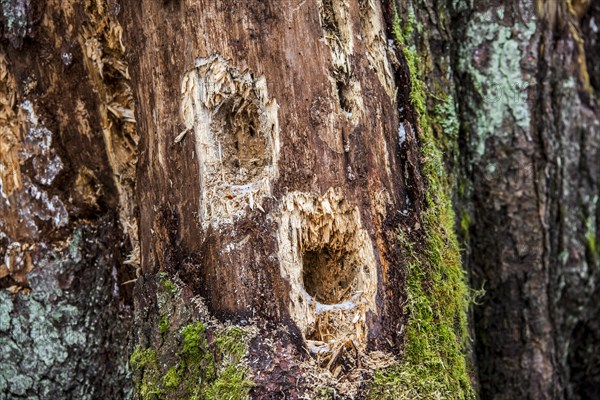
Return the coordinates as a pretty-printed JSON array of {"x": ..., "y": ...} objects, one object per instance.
[
  {"x": 235, "y": 128},
  {"x": 328, "y": 260},
  {"x": 10, "y": 173}
]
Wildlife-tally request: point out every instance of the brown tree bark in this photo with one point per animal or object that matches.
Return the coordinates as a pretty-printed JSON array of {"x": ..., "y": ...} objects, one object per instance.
[
  {"x": 530, "y": 148},
  {"x": 273, "y": 218},
  {"x": 271, "y": 177},
  {"x": 67, "y": 154}
]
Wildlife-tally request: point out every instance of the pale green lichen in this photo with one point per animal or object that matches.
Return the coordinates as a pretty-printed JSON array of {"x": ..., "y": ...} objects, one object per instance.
[
  {"x": 447, "y": 117},
  {"x": 6, "y": 307},
  {"x": 53, "y": 344},
  {"x": 499, "y": 80},
  {"x": 75, "y": 246},
  {"x": 15, "y": 14}
]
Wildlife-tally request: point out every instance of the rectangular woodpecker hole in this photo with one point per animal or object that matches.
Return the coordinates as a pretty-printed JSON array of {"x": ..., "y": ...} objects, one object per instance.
[
  {"x": 344, "y": 95},
  {"x": 236, "y": 137},
  {"x": 327, "y": 257},
  {"x": 243, "y": 146}
]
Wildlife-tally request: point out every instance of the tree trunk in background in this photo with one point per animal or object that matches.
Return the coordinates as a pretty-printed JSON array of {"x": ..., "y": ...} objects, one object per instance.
[
  {"x": 284, "y": 225},
  {"x": 530, "y": 141}
]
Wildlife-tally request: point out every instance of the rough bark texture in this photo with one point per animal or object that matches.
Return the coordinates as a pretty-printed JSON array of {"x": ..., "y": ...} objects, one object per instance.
[
  {"x": 66, "y": 338},
  {"x": 64, "y": 315},
  {"x": 284, "y": 225},
  {"x": 530, "y": 147},
  {"x": 290, "y": 168}
]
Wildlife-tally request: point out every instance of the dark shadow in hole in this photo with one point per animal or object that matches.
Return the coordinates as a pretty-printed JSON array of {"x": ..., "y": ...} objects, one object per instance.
[
  {"x": 328, "y": 275},
  {"x": 243, "y": 145},
  {"x": 342, "y": 89}
]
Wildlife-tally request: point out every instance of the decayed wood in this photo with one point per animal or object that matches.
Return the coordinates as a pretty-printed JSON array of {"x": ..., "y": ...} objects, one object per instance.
[
  {"x": 270, "y": 142},
  {"x": 66, "y": 156}
]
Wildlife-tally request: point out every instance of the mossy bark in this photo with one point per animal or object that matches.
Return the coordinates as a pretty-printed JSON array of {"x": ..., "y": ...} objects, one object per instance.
[
  {"x": 347, "y": 168},
  {"x": 308, "y": 172}
]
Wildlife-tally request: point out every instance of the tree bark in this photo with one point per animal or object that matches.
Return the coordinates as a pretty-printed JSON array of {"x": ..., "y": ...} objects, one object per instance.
[
  {"x": 530, "y": 149},
  {"x": 281, "y": 214},
  {"x": 67, "y": 155},
  {"x": 272, "y": 180}
]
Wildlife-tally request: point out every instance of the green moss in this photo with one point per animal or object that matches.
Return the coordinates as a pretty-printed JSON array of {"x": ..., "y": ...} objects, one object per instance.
[
  {"x": 141, "y": 358},
  {"x": 592, "y": 241},
  {"x": 231, "y": 343},
  {"x": 144, "y": 362},
  {"x": 231, "y": 384},
  {"x": 194, "y": 342},
  {"x": 198, "y": 370},
  {"x": 164, "y": 326},
  {"x": 465, "y": 223},
  {"x": 402, "y": 33},
  {"x": 438, "y": 298},
  {"x": 167, "y": 285},
  {"x": 172, "y": 379}
]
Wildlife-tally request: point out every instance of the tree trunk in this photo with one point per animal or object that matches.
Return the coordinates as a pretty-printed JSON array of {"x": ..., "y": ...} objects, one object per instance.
[
  {"x": 67, "y": 155},
  {"x": 530, "y": 149},
  {"x": 285, "y": 225},
  {"x": 279, "y": 172}
]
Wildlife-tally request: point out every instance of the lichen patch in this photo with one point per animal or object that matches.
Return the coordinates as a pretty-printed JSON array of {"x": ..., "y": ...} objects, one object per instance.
[{"x": 236, "y": 134}]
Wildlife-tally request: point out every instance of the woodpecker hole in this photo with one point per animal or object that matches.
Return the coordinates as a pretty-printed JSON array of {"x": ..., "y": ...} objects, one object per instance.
[{"x": 328, "y": 275}]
